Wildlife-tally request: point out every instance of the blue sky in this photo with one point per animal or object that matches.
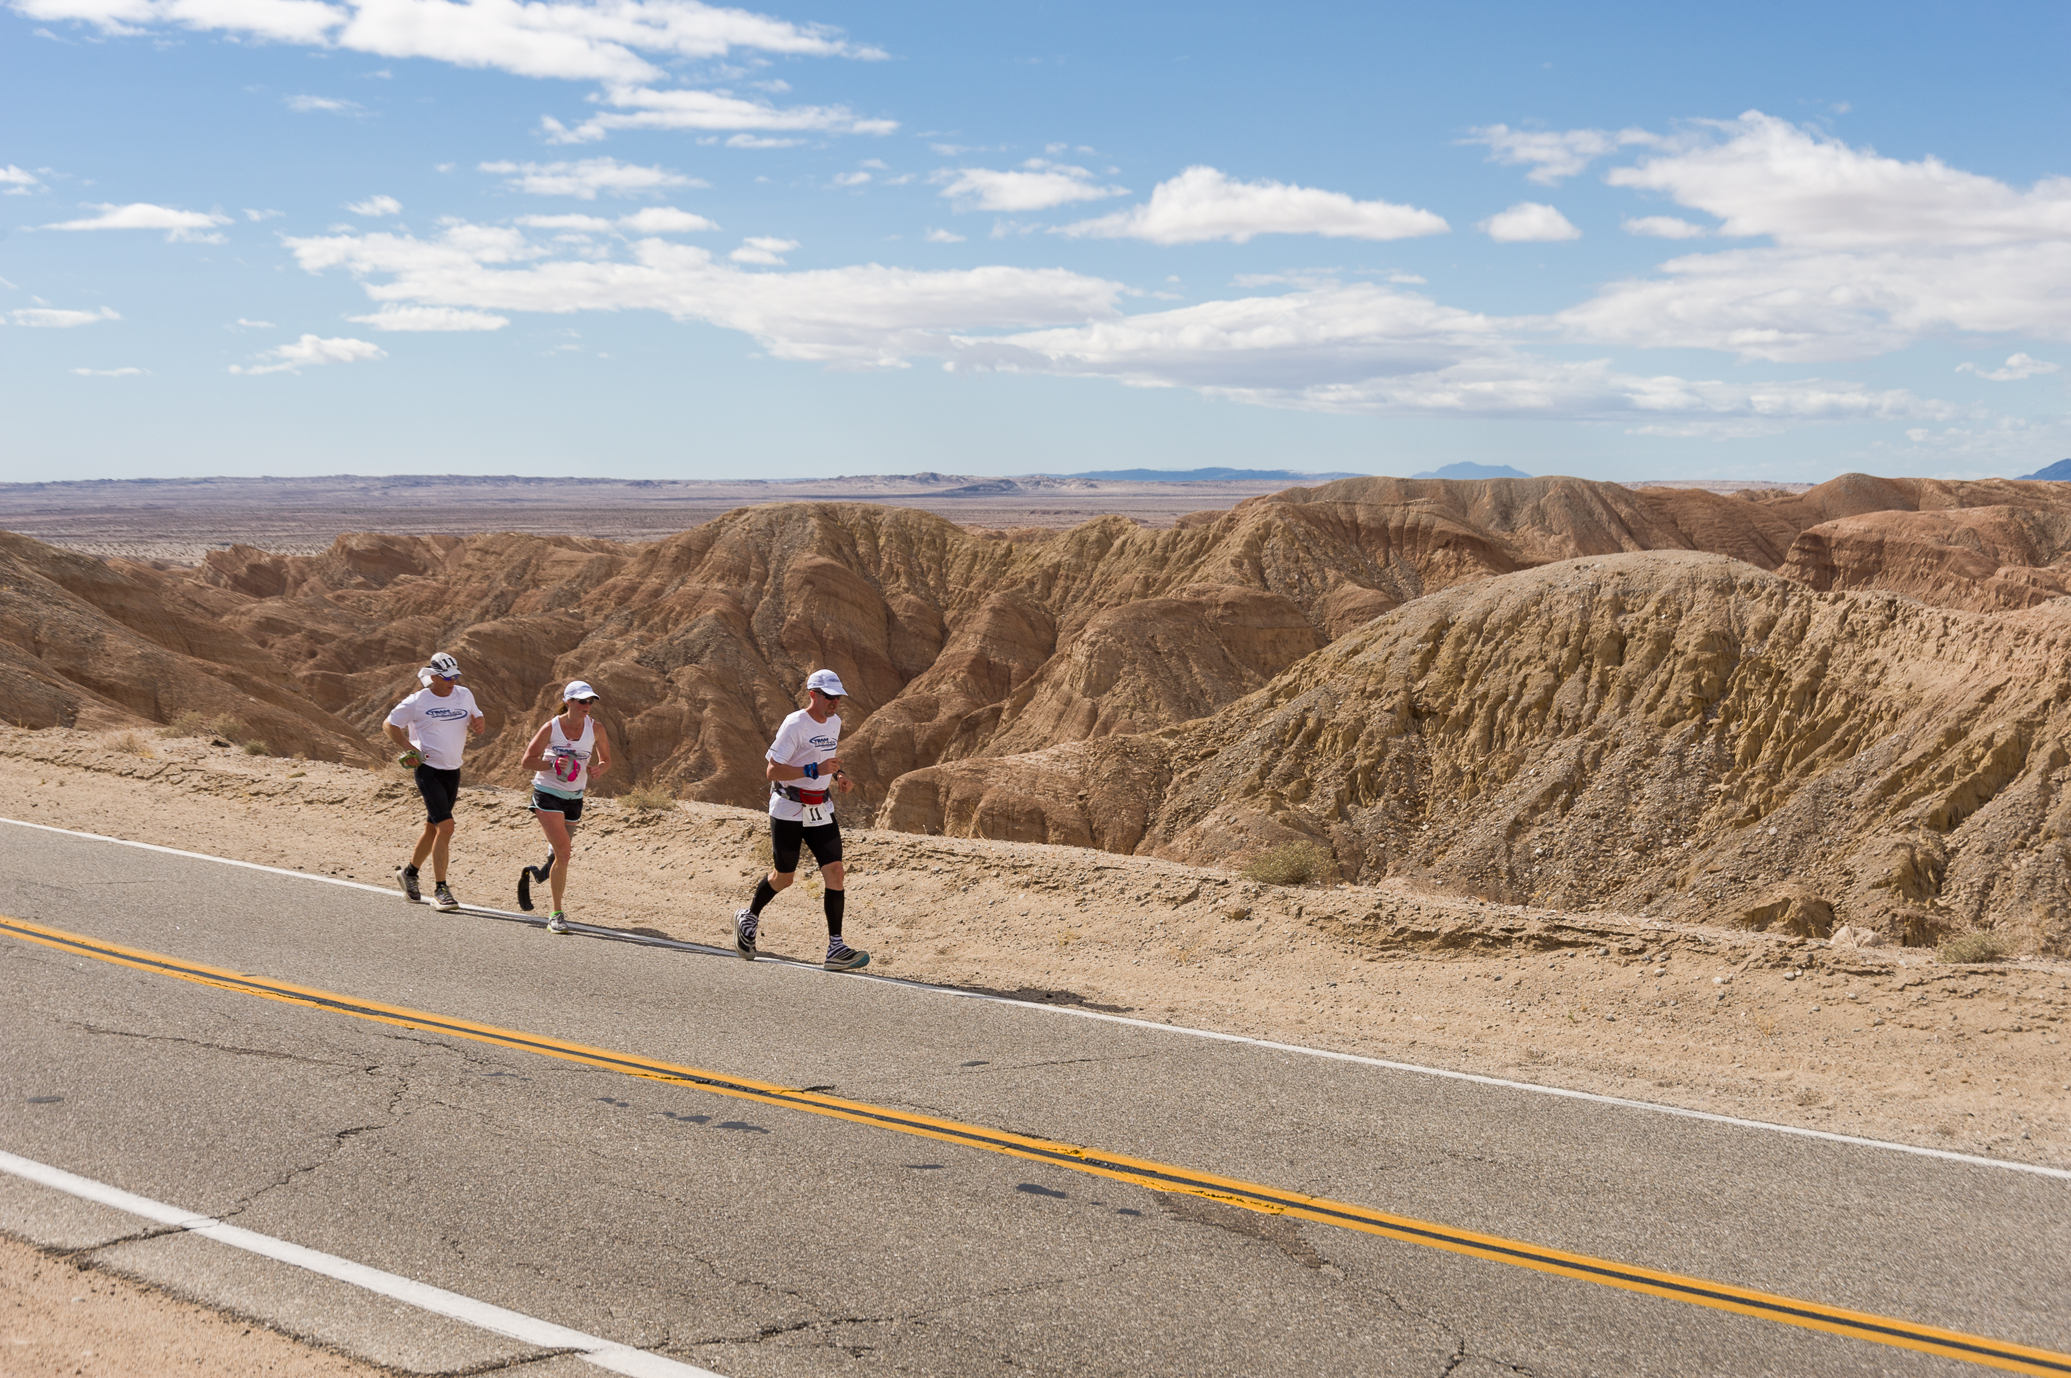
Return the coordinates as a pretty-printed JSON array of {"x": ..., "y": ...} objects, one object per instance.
[{"x": 652, "y": 238}]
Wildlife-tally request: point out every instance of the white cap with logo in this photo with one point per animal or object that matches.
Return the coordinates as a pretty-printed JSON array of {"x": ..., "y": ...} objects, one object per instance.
[
  {"x": 579, "y": 689},
  {"x": 441, "y": 666},
  {"x": 827, "y": 682}
]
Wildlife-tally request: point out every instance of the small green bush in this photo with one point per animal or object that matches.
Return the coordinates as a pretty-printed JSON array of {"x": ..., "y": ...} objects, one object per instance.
[
  {"x": 646, "y": 798},
  {"x": 1292, "y": 863},
  {"x": 255, "y": 747},
  {"x": 1971, "y": 947}
]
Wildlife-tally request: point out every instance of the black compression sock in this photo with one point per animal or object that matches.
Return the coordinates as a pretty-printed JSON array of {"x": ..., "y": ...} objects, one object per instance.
[
  {"x": 763, "y": 895},
  {"x": 837, "y": 900}
]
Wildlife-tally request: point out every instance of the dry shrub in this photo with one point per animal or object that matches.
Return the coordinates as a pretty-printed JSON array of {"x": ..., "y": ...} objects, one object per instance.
[
  {"x": 1971, "y": 947},
  {"x": 189, "y": 722},
  {"x": 255, "y": 747},
  {"x": 130, "y": 743},
  {"x": 1292, "y": 863},
  {"x": 646, "y": 798}
]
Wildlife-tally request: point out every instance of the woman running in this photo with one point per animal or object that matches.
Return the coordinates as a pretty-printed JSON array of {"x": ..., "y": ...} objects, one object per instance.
[{"x": 564, "y": 755}]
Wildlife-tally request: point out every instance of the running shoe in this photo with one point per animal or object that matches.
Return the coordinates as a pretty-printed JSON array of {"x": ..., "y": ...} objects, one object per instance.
[
  {"x": 406, "y": 876},
  {"x": 744, "y": 925},
  {"x": 442, "y": 899},
  {"x": 557, "y": 922},
  {"x": 842, "y": 957}
]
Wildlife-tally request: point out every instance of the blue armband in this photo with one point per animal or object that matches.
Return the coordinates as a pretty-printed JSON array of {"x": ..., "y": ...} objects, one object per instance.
[{"x": 812, "y": 770}]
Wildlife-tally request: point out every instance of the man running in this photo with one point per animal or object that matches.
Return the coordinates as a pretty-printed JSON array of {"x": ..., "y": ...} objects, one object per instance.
[
  {"x": 432, "y": 727},
  {"x": 564, "y": 755},
  {"x": 803, "y": 771}
]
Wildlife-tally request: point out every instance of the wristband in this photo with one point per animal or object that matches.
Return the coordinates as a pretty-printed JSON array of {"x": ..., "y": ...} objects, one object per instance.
[{"x": 812, "y": 770}]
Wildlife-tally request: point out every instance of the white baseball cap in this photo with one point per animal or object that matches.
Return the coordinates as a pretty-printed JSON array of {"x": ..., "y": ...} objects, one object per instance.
[
  {"x": 827, "y": 682},
  {"x": 578, "y": 689},
  {"x": 444, "y": 666}
]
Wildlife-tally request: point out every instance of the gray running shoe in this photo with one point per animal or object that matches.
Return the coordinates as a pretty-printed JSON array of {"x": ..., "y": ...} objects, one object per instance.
[
  {"x": 842, "y": 957},
  {"x": 442, "y": 899},
  {"x": 744, "y": 925},
  {"x": 406, "y": 876},
  {"x": 557, "y": 922}
]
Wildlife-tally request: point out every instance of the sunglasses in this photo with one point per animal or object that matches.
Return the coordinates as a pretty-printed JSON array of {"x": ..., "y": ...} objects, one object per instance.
[{"x": 583, "y": 701}]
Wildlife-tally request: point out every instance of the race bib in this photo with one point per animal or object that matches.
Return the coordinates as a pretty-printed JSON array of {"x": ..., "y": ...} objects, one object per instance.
[{"x": 815, "y": 814}]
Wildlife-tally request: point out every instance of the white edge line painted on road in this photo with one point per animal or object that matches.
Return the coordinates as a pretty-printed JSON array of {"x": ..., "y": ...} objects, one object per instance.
[
  {"x": 1418, "y": 1069},
  {"x": 608, "y": 1354}
]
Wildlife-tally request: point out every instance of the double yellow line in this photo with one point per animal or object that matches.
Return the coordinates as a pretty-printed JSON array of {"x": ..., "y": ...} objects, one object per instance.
[{"x": 1141, "y": 1172}]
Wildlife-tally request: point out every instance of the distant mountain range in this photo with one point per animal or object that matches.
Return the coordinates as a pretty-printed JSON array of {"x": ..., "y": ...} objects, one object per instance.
[
  {"x": 2059, "y": 470},
  {"x": 1206, "y": 475},
  {"x": 1466, "y": 470}
]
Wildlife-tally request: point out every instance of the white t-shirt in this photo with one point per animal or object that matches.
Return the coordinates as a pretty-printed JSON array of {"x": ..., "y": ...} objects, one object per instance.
[
  {"x": 799, "y": 741},
  {"x": 437, "y": 726},
  {"x": 568, "y": 761}
]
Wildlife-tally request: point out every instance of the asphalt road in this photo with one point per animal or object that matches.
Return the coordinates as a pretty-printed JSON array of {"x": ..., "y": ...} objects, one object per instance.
[{"x": 751, "y": 1239}]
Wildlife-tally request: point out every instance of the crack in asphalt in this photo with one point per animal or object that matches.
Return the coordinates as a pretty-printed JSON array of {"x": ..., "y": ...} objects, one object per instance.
[
  {"x": 339, "y": 1139},
  {"x": 231, "y": 1048}
]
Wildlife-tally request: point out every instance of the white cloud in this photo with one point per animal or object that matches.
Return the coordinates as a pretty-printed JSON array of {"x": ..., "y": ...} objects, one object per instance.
[
  {"x": 420, "y": 318},
  {"x": 1364, "y": 347},
  {"x": 851, "y": 179},
  {"x": 108, "y": 372},
  {"x": 243, "y": 324},
  {"x": 1367, "y": 350},
  {"x": 1766, "y": 176},
  {"x": 1867, "y": 254},
  {"x": 646, "y": 107},
  {"x": 1529, "y": 222},
  {"x": 1663, "y": 227},
  {"x": 251, "y": 214},
  {"x": 193, "y": 226},
  {"x": 1202, "y": 204},
  {"x": 862, "y": 316},
  {"x": 934, "y": 236},
  {"x": 376, "y": 206},
  {"x": 584, "y": 179},
  {"x": 310, "y": 351},
  {"x": 583, "y": 224},
  {"x": 1038, "y": 185},
  {"x": 664, "y": 220},
  {"x": 52, "y": 319},
  {"x": 309, "y": 104},
  {"x": 545, "y": 38},
  {"x": 1554, "y": 155},
  {"x": 16, "y": 181},
  {"x": 2018, "y": 367},
  {"x": 763, "y": 250},
  {"x": 761, "y": 141}
]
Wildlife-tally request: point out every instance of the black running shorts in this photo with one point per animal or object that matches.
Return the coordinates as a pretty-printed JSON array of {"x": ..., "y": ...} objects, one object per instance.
[
  {"x": 785, "y": 835},
  {"x": 439, "y": 788},
  {"x": 569, "y": 809}
]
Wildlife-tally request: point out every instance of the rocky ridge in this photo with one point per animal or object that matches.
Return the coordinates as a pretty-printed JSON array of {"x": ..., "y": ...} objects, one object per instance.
[{"x": 1032, "y": 683}]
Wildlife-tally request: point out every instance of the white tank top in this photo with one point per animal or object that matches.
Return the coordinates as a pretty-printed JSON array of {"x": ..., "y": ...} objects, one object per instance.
[{"x": 568, "y": 763}]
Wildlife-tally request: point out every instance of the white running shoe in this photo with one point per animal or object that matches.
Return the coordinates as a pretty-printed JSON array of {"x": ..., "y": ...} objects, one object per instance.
[{"x": 744, "y": 926}]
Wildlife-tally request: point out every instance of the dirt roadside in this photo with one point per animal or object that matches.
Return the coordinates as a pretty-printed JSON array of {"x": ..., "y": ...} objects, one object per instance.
[
  {"x": 1877, "y": 1042},
  {"x": 58, "y": 1320}
]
